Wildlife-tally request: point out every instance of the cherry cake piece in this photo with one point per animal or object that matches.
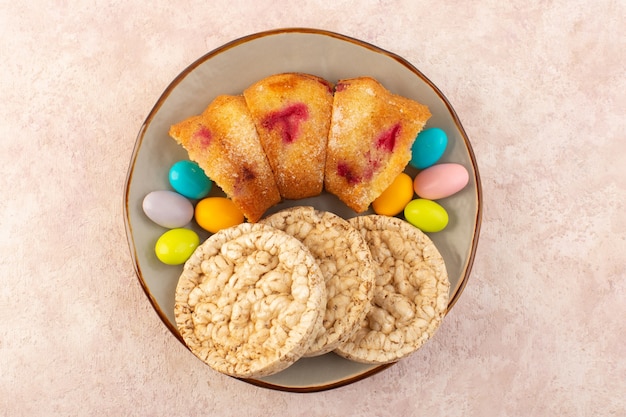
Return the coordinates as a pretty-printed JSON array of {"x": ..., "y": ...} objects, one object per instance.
[
  {"x": 223, "y": 140},
  {"x": 369, "y": 141},
  {"x": 292, "y": 113}
]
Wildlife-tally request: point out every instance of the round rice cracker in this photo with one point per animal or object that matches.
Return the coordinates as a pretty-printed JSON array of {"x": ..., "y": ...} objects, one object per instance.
[
  {"x": 249, "y": 299},
  {"x": 347, "y": 267},
  {"x": 410, "y": 296}
]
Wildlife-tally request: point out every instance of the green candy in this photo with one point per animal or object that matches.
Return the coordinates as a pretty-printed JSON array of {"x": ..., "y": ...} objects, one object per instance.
[
  {"x": 426, "y": 215},
  {"x": 175, "y": 246}
]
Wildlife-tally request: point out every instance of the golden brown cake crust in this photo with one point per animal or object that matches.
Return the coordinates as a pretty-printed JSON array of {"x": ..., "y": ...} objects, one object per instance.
[
  {"x": 370, "y": 140},
  {"x": 292, "y": 114},
  {"x": 224, "y": 142}
]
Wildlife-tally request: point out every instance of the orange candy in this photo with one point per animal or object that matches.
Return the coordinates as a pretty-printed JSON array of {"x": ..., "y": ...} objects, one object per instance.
[
  {"x": 393, "y": 200},
  {"x": 216, "y": 213}
]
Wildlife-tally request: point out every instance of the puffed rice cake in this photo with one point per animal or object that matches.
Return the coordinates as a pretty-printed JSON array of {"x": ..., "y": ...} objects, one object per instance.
[
  {"x": 249, "y": 299},
  {"x": 346, "y": 263},
  {"x": 410, "y": 296}
]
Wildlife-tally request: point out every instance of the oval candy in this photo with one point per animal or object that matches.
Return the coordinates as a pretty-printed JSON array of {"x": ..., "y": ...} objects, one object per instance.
[
  {"x": 395, "y": 197},
  {"x": 216, "y": 213},
  {"x": 426, "y": 215},
  {"x": 167, "y": 209},
  {"x": 440, "y": 181},
  {"x": 175, "y": 246},
  {"x": 187, "y": 178},
  {"x": 428, "y": 147}
]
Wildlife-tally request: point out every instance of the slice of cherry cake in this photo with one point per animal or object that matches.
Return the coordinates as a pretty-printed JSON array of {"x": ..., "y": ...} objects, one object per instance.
[
  {"x": 292, "y": 113},
  {"x": 223, "y": 140},
  {"x": 370, "y": 140}
]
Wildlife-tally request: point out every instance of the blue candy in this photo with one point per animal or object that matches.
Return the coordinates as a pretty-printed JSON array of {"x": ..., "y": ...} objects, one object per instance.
[
  {"x": 428, "y": 147},
  {"x": 188, "y": 179}
]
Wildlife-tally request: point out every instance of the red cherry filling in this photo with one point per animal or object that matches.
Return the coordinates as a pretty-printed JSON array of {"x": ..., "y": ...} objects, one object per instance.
[
  {"x": 344, "y": 171},
  {"x": 203, "y": 135},
  {"x": 372, "y": 166},
  {"x": 387, "y": 140},
  {"x": 385, "y": 143},
  {"x": 287, "y": 120},
  {"x": 246, "y": 174}
]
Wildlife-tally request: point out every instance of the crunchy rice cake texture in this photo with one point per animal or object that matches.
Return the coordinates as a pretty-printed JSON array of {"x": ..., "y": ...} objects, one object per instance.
[
  {"x": 410, "y": 296},
  {"x": 346, "y": 263},
  {"x": 249, "y": 300}
]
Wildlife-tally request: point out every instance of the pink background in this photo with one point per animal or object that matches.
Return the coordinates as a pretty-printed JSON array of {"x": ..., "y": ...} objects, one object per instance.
[{"x": 541, "y": 89}]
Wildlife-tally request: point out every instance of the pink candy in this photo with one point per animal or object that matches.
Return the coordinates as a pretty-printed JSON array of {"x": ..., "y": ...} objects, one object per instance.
[{"x": 440, "y": 181}]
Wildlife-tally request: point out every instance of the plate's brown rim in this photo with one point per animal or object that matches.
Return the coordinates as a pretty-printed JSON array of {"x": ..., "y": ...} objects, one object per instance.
[
  {"x": 323, "y": 387},
  {"x": 129, "y": 235}
]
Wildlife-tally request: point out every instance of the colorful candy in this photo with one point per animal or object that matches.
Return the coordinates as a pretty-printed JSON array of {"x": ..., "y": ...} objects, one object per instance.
[
  {"x": 426, "y": 215},
  {"x": 441, "y": 181},
  {"x": 428, "y": 147},
  {"x": 173, "y": 210},
  {"x": 168, "y": 209},
  {"x": 395, "y": 197},
  {"x": 216, "y": 213},
  {"x": 175, "y": 246},
  {"x": 187, "y": 178}
]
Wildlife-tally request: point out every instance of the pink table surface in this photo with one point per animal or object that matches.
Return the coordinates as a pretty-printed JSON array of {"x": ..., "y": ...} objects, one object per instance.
[{"x": 540, "y": 87}]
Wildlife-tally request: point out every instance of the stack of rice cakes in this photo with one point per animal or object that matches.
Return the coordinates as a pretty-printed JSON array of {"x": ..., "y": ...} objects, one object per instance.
[{"x": 255, "y": 298}]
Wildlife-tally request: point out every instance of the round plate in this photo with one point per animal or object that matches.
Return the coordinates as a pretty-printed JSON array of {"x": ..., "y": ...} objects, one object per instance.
[{"x": 229, "y": 69}]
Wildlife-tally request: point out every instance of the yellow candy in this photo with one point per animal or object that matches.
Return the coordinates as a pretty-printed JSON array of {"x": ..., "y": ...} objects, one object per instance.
[
  {"x": 393, "y": 200},
  {"x": 216, "y": 213},
  {"x": 175, "y": 246},
  {"x": 426, "y": 215}
]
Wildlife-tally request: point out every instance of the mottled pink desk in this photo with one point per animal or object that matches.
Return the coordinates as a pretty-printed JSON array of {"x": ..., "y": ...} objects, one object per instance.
[{"x": 540, "y": 88}]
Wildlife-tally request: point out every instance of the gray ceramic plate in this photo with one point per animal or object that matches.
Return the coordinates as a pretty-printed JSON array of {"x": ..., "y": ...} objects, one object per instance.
[{"x": 228, "y": 70}]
